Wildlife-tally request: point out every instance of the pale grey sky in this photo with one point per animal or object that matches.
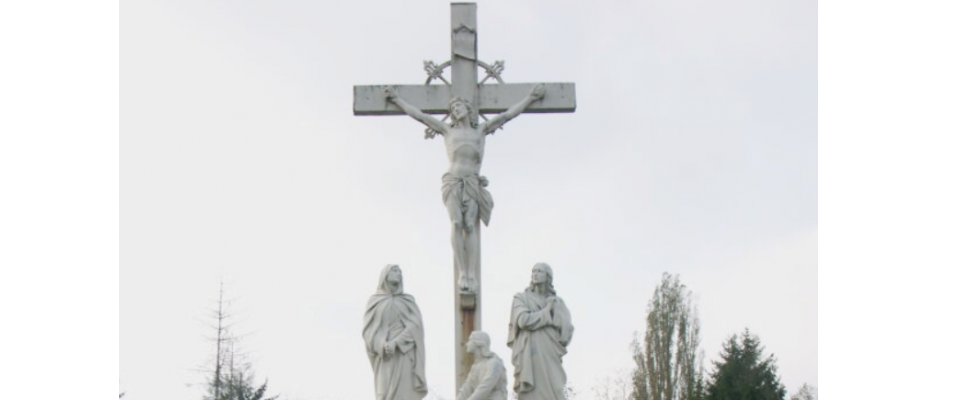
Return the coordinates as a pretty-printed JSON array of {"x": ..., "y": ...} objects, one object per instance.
[{"x": 693, "y": 150}]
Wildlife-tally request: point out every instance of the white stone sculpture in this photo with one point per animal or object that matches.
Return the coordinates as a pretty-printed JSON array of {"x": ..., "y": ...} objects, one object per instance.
[
  {"x": 464, "y": 195},
  {"x": 540, "y": 330},
  {"x": 393, "y": 333},
  {"x": 487, "y": 379},
  {"x": 464, "y": 191}
]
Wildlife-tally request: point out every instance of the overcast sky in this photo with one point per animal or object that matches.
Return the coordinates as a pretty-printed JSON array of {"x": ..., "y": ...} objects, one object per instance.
[{"x": 693, "y": 151}]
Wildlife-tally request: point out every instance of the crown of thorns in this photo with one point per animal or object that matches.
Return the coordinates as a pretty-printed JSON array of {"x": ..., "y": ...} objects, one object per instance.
[{"x": 460, "y": 100}]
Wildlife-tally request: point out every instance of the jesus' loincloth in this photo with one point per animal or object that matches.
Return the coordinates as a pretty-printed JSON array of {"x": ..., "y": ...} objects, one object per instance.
[{"x": 465, "y": 188}]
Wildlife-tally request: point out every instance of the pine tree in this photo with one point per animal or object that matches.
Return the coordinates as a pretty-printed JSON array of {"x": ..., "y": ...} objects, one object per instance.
[{"x": 743, "y": 373}]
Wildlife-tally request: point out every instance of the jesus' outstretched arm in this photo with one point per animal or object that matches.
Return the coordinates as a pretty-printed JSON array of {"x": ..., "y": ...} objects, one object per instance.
[
  {"x": 415, "y": 112},
  {"x": 496, "y": 122}
]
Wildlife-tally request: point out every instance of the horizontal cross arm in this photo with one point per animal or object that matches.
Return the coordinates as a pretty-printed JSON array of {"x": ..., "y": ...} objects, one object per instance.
[
  {"x": 372, "y": 100},
  {"x": 435, "y": 99},
  {"x": 559, "y": 97}
]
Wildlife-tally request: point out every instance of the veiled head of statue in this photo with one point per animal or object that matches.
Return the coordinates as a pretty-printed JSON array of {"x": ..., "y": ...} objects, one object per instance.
[{"x": 391, "y": 280}]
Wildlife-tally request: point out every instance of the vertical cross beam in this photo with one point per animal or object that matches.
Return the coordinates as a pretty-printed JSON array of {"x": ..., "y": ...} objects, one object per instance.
[
  {"x": 463, "y": 52},
  {"x": 463, "y": 58}
]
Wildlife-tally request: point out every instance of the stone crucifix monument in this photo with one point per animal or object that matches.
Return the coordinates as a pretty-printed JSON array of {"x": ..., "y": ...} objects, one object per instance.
[{"x": 464, "y": 99}]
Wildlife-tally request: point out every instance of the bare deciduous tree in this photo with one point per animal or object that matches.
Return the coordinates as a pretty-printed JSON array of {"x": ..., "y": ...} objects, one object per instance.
[
  {"x": 616, "y": 387},
  {"x": 232, "y": 376}
]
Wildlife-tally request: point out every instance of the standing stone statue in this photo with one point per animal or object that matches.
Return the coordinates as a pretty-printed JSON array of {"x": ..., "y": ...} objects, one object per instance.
[
  {"x": 393, "y": 333},
  {"x": 487, "y": 379},
  {"x": 540, "y": 330},
  {"x": 464, "y": 191}
]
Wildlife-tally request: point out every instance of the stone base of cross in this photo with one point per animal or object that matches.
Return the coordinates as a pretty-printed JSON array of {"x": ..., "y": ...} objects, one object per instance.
[{"x": 486, "y": 99}]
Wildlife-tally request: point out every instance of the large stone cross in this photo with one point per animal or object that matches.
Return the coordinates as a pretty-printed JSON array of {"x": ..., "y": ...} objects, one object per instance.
[{"x": 487, "y": 99}]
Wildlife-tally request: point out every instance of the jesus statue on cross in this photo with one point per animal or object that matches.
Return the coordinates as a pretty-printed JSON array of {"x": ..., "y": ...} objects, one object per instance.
[{"x": 464, "y": 191}]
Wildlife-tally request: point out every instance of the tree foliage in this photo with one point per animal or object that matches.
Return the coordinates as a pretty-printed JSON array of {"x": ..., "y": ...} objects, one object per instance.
[
  {"x": 743, "y": 373},
  {"x": 239, "y": 385},
  {"x": 669, "y": 365},
  {"x": 806, "y": 392}
]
